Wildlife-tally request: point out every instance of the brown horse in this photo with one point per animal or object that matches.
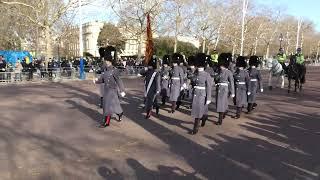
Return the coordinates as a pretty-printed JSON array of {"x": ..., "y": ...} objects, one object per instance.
[{"x": 296, "y": 72}]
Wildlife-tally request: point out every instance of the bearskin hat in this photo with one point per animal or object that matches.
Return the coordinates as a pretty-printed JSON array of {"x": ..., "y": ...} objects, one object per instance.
[
  {"x": 225, "y": 59},
  {"x": 109, "y": 53},
  {"x": 241, "y": 62},
  {"x": 254, "y": 61},
  {"x": 166, "y": 59},
  {"x": 191, "y": 60},
  {"x": 153, "y": 62},
  {"x": 201, "y": 60},
  {"x": 177, "y": 58}
]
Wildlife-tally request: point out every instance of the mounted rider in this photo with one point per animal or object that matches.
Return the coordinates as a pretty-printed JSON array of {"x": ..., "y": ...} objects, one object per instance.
[
  {"x": 282, "y": 57},
  {"x": 214, "y": 57},
  {"x": 299, "y": 57}
]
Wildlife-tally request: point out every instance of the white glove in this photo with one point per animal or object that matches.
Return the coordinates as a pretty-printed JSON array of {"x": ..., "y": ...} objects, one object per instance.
[
  {"x": 165, "y": 77},
  {"x": 184, "y": 86},
  {"x": 139, "y": 75},
  {"x": 95, "y": 80},
  {"x": 146, "y": 68},
  {"x": 232, "y": 95},
  {"x": 261, "y": 90},
  {"x": 208, "y": 102},
  {"x": 248, "y": 93},
  {"x": 123, "y": 94},
  {"x": 158, "y": 92},
  {"x": 3, "y": 69}
]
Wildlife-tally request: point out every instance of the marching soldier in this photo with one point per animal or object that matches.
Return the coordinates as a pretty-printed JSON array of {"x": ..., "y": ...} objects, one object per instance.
[
  {"x": 255, "y": 82},
  {"x": 214, "y": 57},
  {"x": 176, "y": 80},
  {"x": 183, "y": 91},
  {"x": 152, "y": 87},
  {"x": 202, "y": 92},
  {"x": 210, "y": 69},
  {"x": 242, "y": 81},
  {"x": 224, "y": 86},
  {"x": 165, "y": 75},
  {"x": 112, "y": 83},
  {"x": 190, "y": 76}
]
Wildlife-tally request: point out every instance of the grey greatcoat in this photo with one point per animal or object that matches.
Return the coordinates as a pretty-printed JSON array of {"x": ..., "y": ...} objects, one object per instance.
[
  {"x": 176, "y": 82},
  {"x": 211, "y": 72},
  {"x": 165, "y": 75},
  {"x": 112, "y": 85},
  {"x": 224, "y": 84},
  {"x": 242, "y": 83},
  {"x": 255, "y": 84},
  {"x": 202, "y": 94},
  {"x": 151, "y": 94},
  {"x": 191, "y": 75}
]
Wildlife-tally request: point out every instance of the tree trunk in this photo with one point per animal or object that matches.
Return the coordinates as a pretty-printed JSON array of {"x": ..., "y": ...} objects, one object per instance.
[
  {"x": 268, "y": 50},
  {"x": 139, "y": 46},
  {"x": 233, "y": 49},
  {"x": 288, "y": 42},
  {"x": 204, "y": 45},
  {"x": 175, "y": 44},
  {"x": 317, "y": 56},
  {"x": 255, "y": 46},
  {"x": 48, "y": 42}
]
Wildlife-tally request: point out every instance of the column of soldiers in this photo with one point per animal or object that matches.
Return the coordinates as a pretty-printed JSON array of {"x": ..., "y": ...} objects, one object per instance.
[{"x": 190, "y": 82}]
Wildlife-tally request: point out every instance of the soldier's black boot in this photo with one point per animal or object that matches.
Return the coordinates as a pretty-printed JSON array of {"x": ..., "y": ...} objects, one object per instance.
[
  {"x": 195, "y": 126},
  {"x": 249, "y": 108},
  {"x": 163, "y": 101},
  {"x": 157, "y": 110},
  {"x": 173, "y": 107},
  {"x": 101, "y": 102},
  {"x": 178, "y": 105},
  {"x": 120, "y": 116},
  {"x": 220, "y": 119},
  {"x": 254, "y": 105},
  {"x": 203, "y": 120},
  {"x": 148, "y": 115},
  {"x": 238, "y": 113}
]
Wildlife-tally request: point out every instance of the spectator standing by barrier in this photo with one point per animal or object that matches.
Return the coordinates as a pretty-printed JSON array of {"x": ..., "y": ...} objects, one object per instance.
[
  {"x": 3, "y": 65},
  {"x": 17, "y": 70}
]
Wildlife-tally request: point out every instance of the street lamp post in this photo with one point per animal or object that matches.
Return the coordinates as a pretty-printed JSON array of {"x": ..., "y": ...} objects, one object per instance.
[
  {"x": 81, "y": 42},
  {"x": 281, "y": 39}
]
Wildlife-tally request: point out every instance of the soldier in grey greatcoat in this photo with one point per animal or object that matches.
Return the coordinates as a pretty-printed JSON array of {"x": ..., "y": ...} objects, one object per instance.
[
  {"x": 201, "y": 93},
  {"x": 224, "y": 86},
  {"x": 152, "y": 87},
  {"x": 190, "y": 77},
  {"x": 165, "y": 75},
  {"x": 242, "y": 82},
  {"x": 176, "y": 80},
  {"x": 210, "y": 70},
  {"x": 184, "y": 90},
  {"x": 112, "y": 85},
  {"x": 255, "y": 82}
]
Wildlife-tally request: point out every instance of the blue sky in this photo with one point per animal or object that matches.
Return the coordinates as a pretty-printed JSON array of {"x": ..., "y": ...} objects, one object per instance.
[
  {"x": 304, "y": 8},
  {"x": 300, "y": 8}
]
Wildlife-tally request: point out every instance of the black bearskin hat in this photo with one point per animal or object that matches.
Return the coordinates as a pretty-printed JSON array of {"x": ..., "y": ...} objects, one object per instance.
[
  {"x": 109, "y": 53},
  {"x": 191, "y": 60},
  {"x": 177, "y": 58},
  {"x": 153, "y": 62},
  {"x": 241, "y": 62},
  {"x": 225, "y": 59},
  {"x": 254, "y": 61},
  {"x": 166, "y": 59},
  {"x": 201, "y": 60}
]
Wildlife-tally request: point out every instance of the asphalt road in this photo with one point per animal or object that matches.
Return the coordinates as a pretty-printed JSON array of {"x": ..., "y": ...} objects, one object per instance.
[{"x": 49, "y": 131}]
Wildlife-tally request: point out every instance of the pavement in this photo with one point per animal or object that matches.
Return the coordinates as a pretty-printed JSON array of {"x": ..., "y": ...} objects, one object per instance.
[{"x": 48, "y": 131}]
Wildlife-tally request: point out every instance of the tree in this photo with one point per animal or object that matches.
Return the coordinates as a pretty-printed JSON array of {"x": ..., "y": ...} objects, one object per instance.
[
  {"x": 164, "y": 45},
  {"x": 110, "y": 35}
]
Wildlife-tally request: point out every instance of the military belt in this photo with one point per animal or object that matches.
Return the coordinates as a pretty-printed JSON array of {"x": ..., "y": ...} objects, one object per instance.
[
  {"x": 199, "y": 87},
  {"x": 223, "y": 84},
  {"x": 253, "y": 79},
  {"x": 175, "y": 78},
  {"x": 241, "y": 83}
]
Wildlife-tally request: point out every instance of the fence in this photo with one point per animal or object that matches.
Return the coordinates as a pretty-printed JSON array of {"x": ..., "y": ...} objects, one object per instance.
[{"x": 60, "y": 74}]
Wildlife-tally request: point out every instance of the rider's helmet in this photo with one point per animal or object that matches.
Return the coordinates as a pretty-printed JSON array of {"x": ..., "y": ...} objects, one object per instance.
[
  {"x": 299, "y": 50},
  {"x": 281, "y": 50}
]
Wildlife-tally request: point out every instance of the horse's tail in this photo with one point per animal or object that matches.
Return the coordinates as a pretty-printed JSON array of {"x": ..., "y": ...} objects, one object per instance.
[{"x": 303, "y": 79}]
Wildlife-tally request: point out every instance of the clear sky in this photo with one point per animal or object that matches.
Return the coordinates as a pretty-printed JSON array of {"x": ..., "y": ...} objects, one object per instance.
[{"x": 309, "y": 9}]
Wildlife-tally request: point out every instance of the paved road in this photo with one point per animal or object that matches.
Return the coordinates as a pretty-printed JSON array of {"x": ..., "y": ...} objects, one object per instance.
[{"x": 48, "y": 131}]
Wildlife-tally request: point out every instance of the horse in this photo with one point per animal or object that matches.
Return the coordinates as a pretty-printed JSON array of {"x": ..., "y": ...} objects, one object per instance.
[
  {"x": 297, "y": 73},
  {"x": 277, "y": 71}
]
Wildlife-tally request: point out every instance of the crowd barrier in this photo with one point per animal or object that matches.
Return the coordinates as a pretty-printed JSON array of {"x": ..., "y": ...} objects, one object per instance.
[{"x": 60, "y": 74}]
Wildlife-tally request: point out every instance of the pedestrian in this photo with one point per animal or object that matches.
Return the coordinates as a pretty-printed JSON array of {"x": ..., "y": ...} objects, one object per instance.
[
  {"x": 176, "y": 80},
  {"x": 152, "y": 87},
  {"x": 3, "y": 66},
  {"x": 165, "y": 75},
  {"x": 255, "y": 82},
  {"x": 17, "y": 70},
  {"x": 112, "y": 83},
  {"x": 224, "y": 86},
  {"x": 201, "y": 92},
  {"x": 242, "y": 82}
]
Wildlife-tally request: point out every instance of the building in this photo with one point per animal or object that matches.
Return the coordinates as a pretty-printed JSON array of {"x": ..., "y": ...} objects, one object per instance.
[{"x": 90, "y": 36}]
